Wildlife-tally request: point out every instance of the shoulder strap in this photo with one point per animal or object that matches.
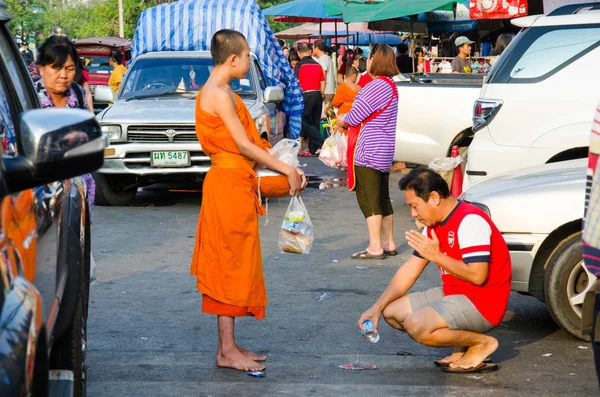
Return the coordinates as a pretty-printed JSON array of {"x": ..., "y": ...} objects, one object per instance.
[
  {"x": 79, "y": 94},
  {"x": 394, "y": 95}
]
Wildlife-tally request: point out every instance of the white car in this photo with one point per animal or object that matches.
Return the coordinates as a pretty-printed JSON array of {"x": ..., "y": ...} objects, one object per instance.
[
  {"x": 538, "y": 103},
  {"x": 539, "y": 211}
]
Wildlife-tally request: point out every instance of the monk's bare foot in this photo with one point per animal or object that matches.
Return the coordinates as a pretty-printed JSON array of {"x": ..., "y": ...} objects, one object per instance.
[
  {"x": 476, "y": 354},
  {"x": 252, "y": 356},
  {"x": 454, "y": 357},
  {"x": 234, "y": 358}
]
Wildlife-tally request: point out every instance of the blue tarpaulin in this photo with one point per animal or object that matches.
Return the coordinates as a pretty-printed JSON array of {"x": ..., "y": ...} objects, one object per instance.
[{"x": 188, "y": 25}]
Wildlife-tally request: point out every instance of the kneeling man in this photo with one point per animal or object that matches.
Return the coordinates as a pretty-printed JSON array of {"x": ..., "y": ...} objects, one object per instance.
[{"x": 475, "y": 268}]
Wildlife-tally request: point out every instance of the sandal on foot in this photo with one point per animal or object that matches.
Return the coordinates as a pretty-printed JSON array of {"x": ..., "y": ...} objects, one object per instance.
[
  {"x": 305, "y": 154},
  {"x": 390, "y": 253},
  {"x": 366, "y": 255},
  {"x": 480, "y": 369},
  {"x": 439, "y": 363}
]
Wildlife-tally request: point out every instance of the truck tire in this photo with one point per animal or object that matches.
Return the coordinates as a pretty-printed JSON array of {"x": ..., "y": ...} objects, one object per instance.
[
  {"x": 70, "y": 351},
  {"x": 565, "y": 278},
  {"x": 111, "y": 193}
]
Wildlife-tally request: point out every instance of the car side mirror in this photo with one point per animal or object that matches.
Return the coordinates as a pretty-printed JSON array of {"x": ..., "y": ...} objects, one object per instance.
[
  {"x": 104, "y": 93},
  {"x": 55, "y": 144},
  {"x": 273, "y": 95}
]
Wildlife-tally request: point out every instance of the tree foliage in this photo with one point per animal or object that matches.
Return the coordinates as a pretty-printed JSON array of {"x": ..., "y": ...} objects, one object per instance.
[{"x": 37, "y": 19}]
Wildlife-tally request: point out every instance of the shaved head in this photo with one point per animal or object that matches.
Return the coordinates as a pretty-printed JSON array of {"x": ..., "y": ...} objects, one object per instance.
[{"x": 227, "y": 42}]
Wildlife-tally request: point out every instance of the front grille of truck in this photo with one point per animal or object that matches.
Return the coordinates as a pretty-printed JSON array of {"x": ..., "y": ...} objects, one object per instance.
[
  {"x": 142, "y": 160},
  {"x": 161, "y": 133}
]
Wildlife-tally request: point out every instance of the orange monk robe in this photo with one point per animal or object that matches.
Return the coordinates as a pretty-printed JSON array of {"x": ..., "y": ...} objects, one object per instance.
[
  {"x": 344, "y": 98},
  {"x": 227, "y": 261}
]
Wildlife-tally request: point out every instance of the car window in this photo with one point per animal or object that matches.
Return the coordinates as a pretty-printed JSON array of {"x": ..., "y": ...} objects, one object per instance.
[
  {"x": 261, "y": 76},
  {"x": 20, "y": 81},
  {"x": 553, "y": 49},
  {"x": 183, "y": 76},
  {"x": 7, "y": 126},
  {"x": 539, "y": 52},
  {"x": 96, "y": 64}
]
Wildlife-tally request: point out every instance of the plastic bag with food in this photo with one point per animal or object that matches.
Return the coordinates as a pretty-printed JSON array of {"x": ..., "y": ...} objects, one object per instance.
[
  {"x": 297, "y": 231},
  {"x": 286, "y": 151}
]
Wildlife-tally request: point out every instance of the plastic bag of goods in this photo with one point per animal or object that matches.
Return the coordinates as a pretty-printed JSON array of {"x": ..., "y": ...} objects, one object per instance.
[
  {"x": 297, "y": 231},
  {"x": 286, "y": 151},
  {"x": 445, "y": 167}
]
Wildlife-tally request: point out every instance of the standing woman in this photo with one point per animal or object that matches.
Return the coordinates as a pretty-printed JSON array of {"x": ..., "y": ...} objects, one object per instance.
[
  {"x": 115, "y": 62},
  {"x": 371, "y": 144},
  {"x": 57, "y": 63}
]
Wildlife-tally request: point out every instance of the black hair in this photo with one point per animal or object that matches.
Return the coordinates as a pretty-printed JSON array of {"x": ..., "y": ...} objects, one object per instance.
[
  {"x": 374, "y": 49},
  {"x": 359, "y": 51},
  {"x": 226, "y": 42},
  {"x": 303, "y": 48},
  {"x": 423, "y": 182},
  {"x": 116, "y": 56},
  {"x": 362, "y": 65},
  {"x": 294, "y": 56},
  {"x": 320, "y": 44},
  {"x": 55, "y": 51},
  {"x": 401, "y": 48},
  {"x": 281, "y": 43}
]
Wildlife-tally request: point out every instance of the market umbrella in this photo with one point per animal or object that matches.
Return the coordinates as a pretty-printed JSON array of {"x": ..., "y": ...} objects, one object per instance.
[
  {"x": 371, "y": 38},
  {"x": 377, "y": 10},
  {"x": 309, "y": 10}
]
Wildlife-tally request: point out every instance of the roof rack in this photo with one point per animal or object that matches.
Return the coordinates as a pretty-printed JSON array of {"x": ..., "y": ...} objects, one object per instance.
[{"x": 575, "y": 8}]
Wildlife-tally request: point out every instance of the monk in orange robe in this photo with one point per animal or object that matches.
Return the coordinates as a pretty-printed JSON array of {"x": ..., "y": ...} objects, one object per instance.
[
  {"x": 345, "y": 94},
  {"x": 227, "y": 260}
]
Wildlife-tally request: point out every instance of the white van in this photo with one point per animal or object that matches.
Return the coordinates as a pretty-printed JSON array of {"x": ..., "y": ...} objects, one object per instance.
[{"x": 538, "y": 103}]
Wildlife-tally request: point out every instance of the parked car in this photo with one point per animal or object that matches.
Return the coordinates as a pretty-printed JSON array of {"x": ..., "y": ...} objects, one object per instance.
[
  {"x": 538, "y": 103},
  {"x": 434, "y": 113},
  {"x": 94, "y": 53},
  {"x": 151, "y": 124},
  {"x": 44, "y": 235},
  {"x": 539, "y": 211}
]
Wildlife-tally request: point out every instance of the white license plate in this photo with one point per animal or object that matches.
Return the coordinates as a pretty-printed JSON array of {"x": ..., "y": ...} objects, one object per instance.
[{"x": 170, "y": 159}]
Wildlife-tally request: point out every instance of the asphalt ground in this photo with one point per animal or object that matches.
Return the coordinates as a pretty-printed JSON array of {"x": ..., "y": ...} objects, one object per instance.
[{"x": 147, "y": 335}]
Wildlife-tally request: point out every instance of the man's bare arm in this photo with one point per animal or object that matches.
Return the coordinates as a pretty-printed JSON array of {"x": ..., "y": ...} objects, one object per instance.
[
  {"x": 403, "y": 280},
  {"x": 322, "y": 87}
]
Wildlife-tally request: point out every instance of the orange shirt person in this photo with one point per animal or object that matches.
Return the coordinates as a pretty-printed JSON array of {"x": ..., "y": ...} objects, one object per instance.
[
  {"x": 227, "y": 260},
  {"x": 346, "y": 92}
]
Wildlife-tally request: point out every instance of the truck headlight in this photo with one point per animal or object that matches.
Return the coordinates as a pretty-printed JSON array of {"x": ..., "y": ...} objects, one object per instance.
[{"x": 113, "y": 132}]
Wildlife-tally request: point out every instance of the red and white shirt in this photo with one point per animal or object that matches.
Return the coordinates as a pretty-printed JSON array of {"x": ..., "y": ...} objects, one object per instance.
[{"x": 468, "y": 234}]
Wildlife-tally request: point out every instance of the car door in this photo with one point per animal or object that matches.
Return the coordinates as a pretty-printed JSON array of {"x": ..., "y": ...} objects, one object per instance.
[{"x": 36, "y": 213}]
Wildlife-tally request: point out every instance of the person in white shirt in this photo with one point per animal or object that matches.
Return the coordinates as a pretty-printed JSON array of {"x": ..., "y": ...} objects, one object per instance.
[{"x": 319, "y": 51}]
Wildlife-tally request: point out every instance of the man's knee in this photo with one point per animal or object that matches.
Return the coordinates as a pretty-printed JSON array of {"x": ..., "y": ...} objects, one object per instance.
[
  {"x": 416, "y": 328},
  {"x": 393, "y": 317}
]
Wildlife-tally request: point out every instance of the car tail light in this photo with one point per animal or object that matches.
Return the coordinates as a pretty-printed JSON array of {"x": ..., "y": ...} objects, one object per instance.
[{"x": 484, "y": 111}]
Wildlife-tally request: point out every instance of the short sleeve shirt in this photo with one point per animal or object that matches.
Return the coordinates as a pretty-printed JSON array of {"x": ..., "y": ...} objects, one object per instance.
[
  {"x": 468, "y": 234},
  {"x": 327, "y": 64},
  {"x": 461, "y": 65},
  {"x": 116, "y": 77}
]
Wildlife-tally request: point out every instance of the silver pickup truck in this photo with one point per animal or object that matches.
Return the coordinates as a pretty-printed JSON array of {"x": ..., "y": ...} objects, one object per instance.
[{"x": 151, "y": 122}]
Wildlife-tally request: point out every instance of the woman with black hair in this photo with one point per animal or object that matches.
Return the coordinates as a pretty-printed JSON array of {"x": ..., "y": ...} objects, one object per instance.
[{"x": 119, "y": 70}]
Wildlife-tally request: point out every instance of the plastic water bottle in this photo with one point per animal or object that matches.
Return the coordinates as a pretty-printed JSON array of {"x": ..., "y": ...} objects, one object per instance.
[{"x": 371, "y": 335}]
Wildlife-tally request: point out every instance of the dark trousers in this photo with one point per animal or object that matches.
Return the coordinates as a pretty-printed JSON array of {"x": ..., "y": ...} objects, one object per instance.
[{"x": 311, "y": 118}]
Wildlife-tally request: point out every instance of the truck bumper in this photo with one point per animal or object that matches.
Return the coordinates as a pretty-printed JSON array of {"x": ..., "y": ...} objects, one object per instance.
[
  {"x": 522, "y": 249},
  {"x": 134, "y": 159}
]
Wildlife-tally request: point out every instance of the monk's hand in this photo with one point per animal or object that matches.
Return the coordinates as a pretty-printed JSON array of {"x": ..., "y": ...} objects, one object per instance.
[
  {"x": 296, "y": 181},
  {"x": 304, "y": 180},
  {"x": 372, "y": 314},
  {"x": 428, "y": 248}
]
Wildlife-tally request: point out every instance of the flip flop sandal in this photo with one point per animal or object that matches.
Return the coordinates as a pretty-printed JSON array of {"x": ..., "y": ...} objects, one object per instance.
[
  {"x": 439, "y": 363},
  {"x": 390, "y": 253},
  {"x": 480, "y": 369},
  {"x": 365, "y": 255}
]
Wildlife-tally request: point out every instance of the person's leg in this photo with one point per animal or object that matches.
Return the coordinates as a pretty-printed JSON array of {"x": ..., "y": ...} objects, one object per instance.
[
  {"x": 429, "y": 328},
  {"x": 596, "y": 335},
  {"x": 387, "y": 223},
  {"x": 229, "y": 355},
  {"x": 368, "y": 192}
]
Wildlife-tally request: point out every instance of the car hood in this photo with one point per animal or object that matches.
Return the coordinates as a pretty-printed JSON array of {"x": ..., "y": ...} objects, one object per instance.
[
  {"x": 534, "y": 200},
  {"x": 159, "y": 111},
  {"x": 554, "y": 174}
]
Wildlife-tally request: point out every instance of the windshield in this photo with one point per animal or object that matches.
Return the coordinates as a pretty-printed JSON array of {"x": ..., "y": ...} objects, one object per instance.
[
  {"x": 96, "y": 64},
  {"x": 157, "y": 77}
]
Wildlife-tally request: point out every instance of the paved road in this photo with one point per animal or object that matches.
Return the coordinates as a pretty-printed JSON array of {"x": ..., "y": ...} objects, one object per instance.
[{"x": 148, "y": 337}]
